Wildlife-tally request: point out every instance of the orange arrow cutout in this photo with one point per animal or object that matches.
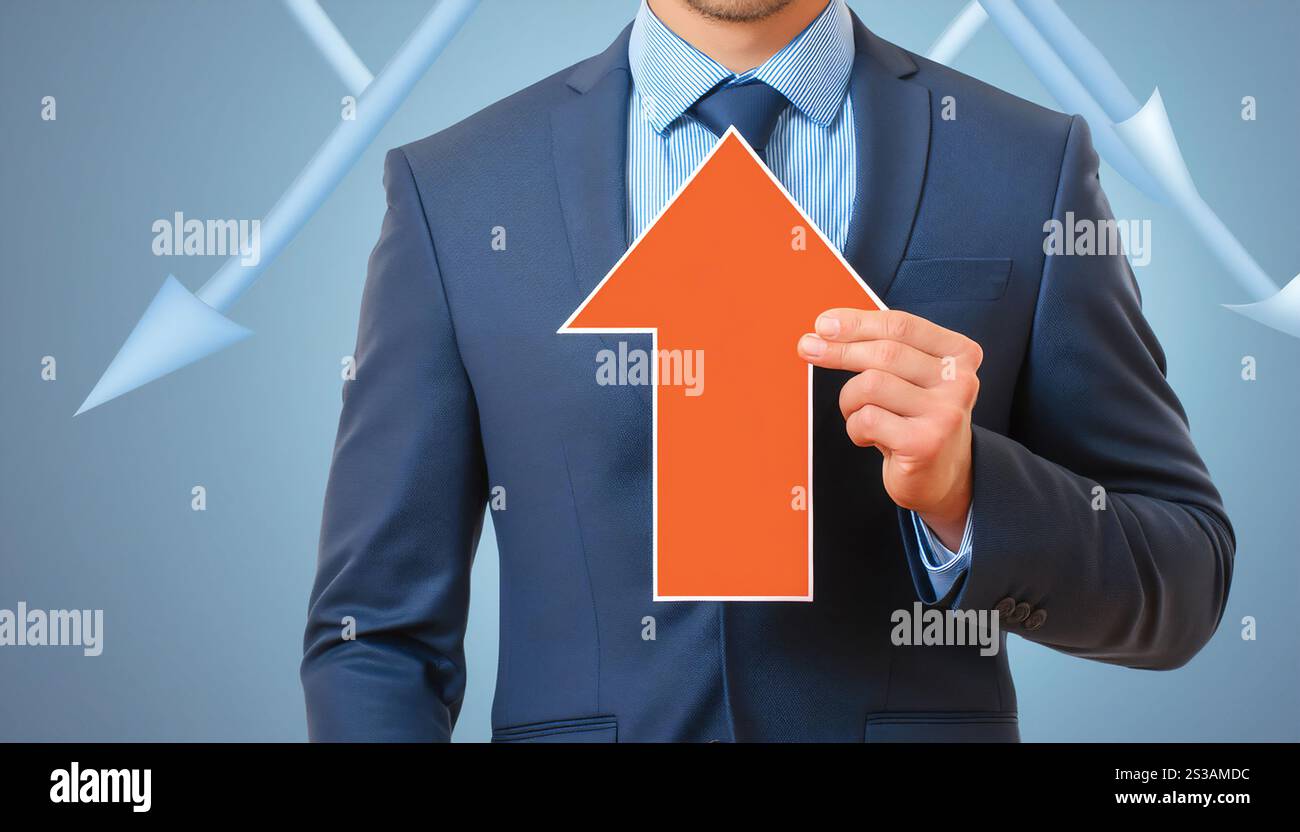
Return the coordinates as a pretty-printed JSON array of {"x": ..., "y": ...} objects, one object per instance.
[{"x": 729, "y": 275}]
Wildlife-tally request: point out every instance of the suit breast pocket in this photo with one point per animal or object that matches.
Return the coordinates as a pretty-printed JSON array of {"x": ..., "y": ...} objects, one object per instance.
[{"x": 959, "y": 279}]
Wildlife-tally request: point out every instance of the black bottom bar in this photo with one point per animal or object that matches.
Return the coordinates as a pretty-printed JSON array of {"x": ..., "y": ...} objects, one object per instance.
[{"x": 927, "y": 782}]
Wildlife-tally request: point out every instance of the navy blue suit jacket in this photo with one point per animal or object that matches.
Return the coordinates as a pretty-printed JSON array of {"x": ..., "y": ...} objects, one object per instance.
[{"x": 462, "y": 385}]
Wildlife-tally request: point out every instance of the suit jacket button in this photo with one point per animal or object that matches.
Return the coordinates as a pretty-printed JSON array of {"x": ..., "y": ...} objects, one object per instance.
[
  {"x": 1020, "y": 613},
  {"x": 1005, "y": 606},
  {"x": 1036, "y": 620}
]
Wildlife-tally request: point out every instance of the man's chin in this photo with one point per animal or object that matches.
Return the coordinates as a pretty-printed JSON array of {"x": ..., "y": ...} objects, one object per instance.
[{"x": 738, "y": 11}]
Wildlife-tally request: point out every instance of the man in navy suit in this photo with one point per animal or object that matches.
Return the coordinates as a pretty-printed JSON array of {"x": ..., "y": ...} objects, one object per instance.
[{"x": 1002, "y": 440}]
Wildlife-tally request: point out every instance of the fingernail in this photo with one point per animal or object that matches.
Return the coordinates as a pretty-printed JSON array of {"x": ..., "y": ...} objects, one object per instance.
[
  {"x": 828, "y": 326},
  {"x": 812, "y": 345}
]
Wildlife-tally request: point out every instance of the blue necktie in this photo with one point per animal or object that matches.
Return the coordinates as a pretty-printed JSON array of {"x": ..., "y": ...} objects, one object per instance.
[{"x": 753, "y": 108}]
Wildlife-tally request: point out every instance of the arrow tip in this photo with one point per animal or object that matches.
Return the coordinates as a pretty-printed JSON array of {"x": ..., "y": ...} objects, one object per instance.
[
  {"x": 1280, "y": 312},
  {"x": 1149, "y": 136},
  {"x": 176, "y": 330}
]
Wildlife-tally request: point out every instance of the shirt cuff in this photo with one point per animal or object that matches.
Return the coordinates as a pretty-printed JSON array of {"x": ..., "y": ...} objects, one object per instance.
[{"x": 942, "y": 565}]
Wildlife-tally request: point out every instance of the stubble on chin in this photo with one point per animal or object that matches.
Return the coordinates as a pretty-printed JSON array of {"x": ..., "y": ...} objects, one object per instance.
[{"x": 738, "y": 11}]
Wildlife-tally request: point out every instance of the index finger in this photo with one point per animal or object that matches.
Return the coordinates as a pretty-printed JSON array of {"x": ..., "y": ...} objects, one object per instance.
[{"x": 892, "y": 325}]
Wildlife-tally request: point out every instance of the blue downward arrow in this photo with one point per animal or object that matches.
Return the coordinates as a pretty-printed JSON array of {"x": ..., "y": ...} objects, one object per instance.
[{"x": 180, "y": 328}]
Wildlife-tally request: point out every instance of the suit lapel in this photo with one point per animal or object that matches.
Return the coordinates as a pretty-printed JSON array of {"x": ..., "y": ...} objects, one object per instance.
[
  {"x": 589, "y": 141},
  {"x": 892, "y": 123},
  {"x": 589, "y": 133}
]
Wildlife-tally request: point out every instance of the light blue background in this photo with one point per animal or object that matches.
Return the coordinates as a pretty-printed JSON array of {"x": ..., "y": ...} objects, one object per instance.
[{"x": 211, "y": 108}]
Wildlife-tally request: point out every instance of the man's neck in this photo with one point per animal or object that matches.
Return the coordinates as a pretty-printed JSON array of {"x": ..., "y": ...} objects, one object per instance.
[{"x": 739, "y": 46}]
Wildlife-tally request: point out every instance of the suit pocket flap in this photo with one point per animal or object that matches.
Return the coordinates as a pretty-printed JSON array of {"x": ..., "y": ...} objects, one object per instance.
[
  {"x": 582, "y": 729},
  {"x": 943, "y": 726},
  {"x": 950, "y": 278}
]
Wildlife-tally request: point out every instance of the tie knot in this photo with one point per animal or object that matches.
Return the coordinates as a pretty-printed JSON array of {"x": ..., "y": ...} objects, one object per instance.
[{"x": 753, "y": 108}]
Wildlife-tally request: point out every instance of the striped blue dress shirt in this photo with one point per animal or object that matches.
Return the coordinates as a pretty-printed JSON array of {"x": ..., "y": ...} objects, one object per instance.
[{"x": 812, "y": 150}]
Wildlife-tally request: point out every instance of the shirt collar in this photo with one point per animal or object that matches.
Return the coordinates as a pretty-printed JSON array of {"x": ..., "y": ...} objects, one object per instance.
[{"x": 812, "y": 70}]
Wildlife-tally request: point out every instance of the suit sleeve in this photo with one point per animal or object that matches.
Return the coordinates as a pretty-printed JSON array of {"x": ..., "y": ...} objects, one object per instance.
[
  {"x": 403, "y": 508},
  {"x": 1097, "y": 509}
]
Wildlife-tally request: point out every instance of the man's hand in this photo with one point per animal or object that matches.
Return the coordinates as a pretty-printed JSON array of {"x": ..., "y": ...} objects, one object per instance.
[{"x": 911, "y": 398}]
